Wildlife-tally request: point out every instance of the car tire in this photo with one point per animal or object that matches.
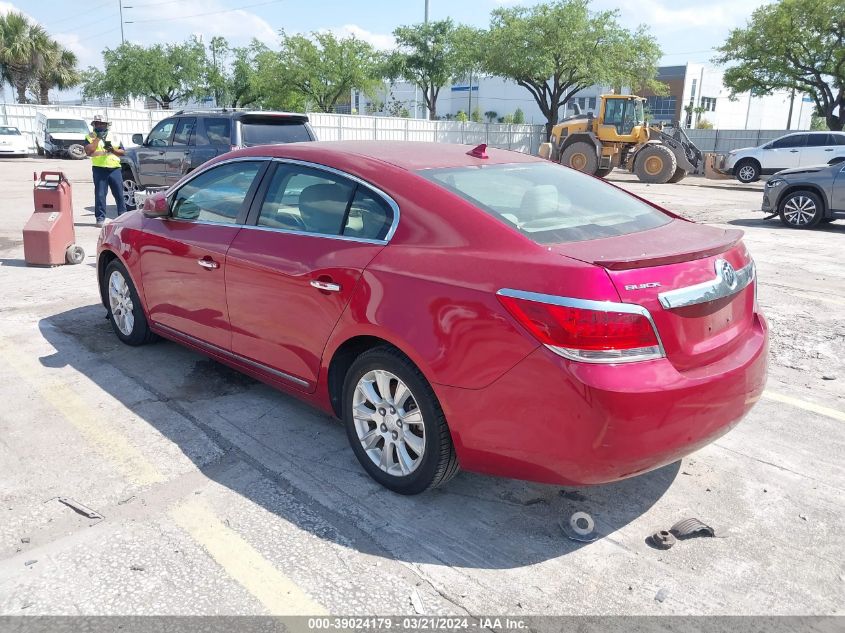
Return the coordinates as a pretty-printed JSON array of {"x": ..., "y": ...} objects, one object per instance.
[
  {"x": 581, "y": 156},
  {"x": 130, "y": 188},
  {"x": 801, "y": 210},
  {"x": 655, "y": 164},
  {"x": 747, "y": 171},
  {"x": 76, "y": 152},
  {"x": 74, "y": 254},
  {"x": 603, "y": 173},
  {"x": 39, "y": 150},
  {"x": 404, "y": 428},
  {"x": 126, "y": 314}
]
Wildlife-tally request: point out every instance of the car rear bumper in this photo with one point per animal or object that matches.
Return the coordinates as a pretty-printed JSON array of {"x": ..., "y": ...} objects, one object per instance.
[{"x": 568, "y": 423}]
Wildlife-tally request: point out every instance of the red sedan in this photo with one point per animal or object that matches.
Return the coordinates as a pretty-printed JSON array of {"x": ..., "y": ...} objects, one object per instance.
[{"x": 455, "y": 307}]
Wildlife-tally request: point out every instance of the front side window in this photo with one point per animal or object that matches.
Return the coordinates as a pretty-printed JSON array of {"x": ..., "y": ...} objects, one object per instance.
[
  {"x": 549, "y": 203},
  {"x": 160, "y": 136},
  {"x": 794, "y": 140},
  {"x": 216, "y": 195},
  {"x": 185, "y": 131}
]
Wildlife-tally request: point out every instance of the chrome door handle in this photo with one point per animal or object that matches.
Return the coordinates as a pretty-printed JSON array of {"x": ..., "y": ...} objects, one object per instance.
[
  {"x": 793, "y": 151},
  {"x": 829, "y": 149},
  {"x": 325, "y": 285},
  {"x": 208, "y": 264}
]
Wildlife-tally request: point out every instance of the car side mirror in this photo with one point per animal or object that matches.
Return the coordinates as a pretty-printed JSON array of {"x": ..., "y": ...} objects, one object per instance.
[
  {"x": 138, "y": 139},
  {"x": 156, "y": 206}
]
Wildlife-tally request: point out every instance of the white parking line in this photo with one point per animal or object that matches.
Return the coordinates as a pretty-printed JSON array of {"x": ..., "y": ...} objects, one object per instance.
[{"x": 803, "y": 404}]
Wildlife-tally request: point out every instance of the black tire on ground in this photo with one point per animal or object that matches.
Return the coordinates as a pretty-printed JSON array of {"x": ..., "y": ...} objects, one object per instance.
[
  {"x": 679, "y": 175},
  {"x": 602, "y": 173},
  {"x": 581, "y": 156},
  {"x": 827, "y": 220},
  {"x": 129, "y": 189},
  {"x": 747, "y": 171},
  {"x": 140, "y": 332},
  {"x": 39, "y": 150},
  {"x": 655, "y": 164},
  {"x": 74, "y": 254},
  {"x": 801, "y": 210},
  {"x": 439, "y": 463}
]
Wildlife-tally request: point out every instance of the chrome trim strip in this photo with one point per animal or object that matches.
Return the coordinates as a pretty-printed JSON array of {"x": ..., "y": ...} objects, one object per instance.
[
  {"x": 587, "y": 304},
  {"x": 233, "y": 356},
  {"x": 718, "y": 288},
  {"x": 344, "y": 238}
]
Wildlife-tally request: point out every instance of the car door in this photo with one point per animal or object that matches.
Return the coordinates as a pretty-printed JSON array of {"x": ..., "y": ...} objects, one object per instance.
[
  {"x": 152, "y": 159},
  {"x": 183, "y": 256},
  {"x": 178, "y": 153},
  {"x": 293, "y": 268},
  {"x": 818, "y": 150},
  {"x": 783, "y": 153},
  {"x": 837, "y": 195}
]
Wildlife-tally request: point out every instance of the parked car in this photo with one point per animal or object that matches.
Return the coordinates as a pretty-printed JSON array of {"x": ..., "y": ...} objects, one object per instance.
[
  {"x": 804, "y": 197},
  {"x": 60, "y": 135},
  {"x": 453, "y": 306},
  {"x": 787, "y": 152},
  {"x": 179, "y": 144},
  {"x": 13, "y": 143}
]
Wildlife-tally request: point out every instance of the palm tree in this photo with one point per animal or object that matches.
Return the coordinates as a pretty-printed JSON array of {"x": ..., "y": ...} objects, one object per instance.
[
  {"x": 58, "y": 71},
  {"x": 23, "y": 46}
]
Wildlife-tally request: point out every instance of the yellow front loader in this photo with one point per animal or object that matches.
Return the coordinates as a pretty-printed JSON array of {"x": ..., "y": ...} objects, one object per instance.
[{"x": 620, "y": 137}]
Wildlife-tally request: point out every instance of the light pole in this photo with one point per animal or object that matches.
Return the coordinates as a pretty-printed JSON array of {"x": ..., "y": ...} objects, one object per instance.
[{"x": 120, "y": 4}]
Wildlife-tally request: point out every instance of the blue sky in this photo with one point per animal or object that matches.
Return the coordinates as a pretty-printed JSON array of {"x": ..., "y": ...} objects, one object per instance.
[{"x": 686, "y": 29}]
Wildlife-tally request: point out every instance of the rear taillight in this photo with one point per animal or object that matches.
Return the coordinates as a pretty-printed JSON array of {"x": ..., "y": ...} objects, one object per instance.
[{"x": 588, "y": 331}]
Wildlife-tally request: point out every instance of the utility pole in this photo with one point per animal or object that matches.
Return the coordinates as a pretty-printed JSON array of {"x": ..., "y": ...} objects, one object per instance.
[
  {"x": 791, "y": 104},
  {"x": 120, "y": 4},
  {"x": 426, "y": 11}
]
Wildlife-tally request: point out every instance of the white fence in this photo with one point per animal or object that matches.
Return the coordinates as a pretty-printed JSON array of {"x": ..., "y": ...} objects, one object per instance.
[{"x": 336, "y": 127}]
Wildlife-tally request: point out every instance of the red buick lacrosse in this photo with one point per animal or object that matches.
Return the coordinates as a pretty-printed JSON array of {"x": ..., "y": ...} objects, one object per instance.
[{"x": 455, "y": 307}]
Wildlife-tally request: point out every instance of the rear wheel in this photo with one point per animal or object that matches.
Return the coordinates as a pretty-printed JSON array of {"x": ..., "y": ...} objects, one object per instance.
[
  {"x": 395, "y": 424},
  {"x": 679, "y": 175},
  {"x": 125, "y": 311},
  {"x": 655, "y": 164},
  {"x": 801, "y": 210},
  {"x": 601, "y": 173},
  {"x": 581, "y": 156},
  {"x": 747, "y": 171}
]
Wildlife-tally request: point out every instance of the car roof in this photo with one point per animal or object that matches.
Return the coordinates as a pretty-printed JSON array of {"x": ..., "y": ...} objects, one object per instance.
[{"x": 409, "y": 155}]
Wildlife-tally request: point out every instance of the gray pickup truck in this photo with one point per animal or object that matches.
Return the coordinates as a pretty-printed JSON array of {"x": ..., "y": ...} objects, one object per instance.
[{"x": 184, "y": 141}]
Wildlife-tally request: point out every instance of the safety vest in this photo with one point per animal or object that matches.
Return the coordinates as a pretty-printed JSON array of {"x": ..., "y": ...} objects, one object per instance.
[{"x": 105, "y": 160}]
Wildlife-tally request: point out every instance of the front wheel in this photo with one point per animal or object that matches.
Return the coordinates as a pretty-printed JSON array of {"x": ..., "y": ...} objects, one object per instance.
[
  {"x": 130, "y": 188},
  {"x": 801, "y": 210},
  {"x": 581, "y": 156},
  {"x": 395, "y": 425},
  {"x": 747, "y": 171},
  {"x": 125, "y": 311},
  {"x": 655, "y": 164}
]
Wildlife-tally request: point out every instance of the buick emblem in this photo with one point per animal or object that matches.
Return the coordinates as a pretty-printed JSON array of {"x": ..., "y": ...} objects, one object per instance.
[{"x": 727, "y": 272}]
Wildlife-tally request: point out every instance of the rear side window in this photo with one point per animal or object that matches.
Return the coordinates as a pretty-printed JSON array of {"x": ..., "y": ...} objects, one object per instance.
[
  {"x": 549, "y": 203},
  {"x": 216, "y": 195},
  {"x": 273, "y": 130},
  {"x": 218, "y": 131}
]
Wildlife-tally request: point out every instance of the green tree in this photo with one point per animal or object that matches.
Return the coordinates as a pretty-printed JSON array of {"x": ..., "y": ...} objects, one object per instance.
[
  {"x": 518, "y": 116},
  {"x": 556, "y": 49},
  {"x": 491, "y": 115},
  {"x": 268, "y": 81},
  {"x": 23, "y": 49},
  {"x": 429, "y": 56},
  {"x": 59, "y": 70},
  {"x": 325, "y": 68},
  {"x": 792, "y": 45},
  {"x": 817, "y": 123},
  {"x": 461, "y": 116},
  {"x": 476, "y": 115},
  {"x": 165, "y": 73}
]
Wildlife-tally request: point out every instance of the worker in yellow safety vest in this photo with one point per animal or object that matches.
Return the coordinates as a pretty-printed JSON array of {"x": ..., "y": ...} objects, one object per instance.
[{"x": 105, "y": 165}]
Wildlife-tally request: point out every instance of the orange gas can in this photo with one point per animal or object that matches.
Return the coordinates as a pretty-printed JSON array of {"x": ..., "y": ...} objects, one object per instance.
[{"x": 49, "y": 236}]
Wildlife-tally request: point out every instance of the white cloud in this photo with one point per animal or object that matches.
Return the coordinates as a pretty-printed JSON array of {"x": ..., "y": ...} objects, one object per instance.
[
  {"x": 380, "y": 41},
  {"x": 8, "y": 7}
]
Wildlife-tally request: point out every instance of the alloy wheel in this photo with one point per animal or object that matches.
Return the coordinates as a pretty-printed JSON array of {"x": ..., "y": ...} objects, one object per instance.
[
  {"x": 129, "y": 189},
  {"x": 799, "y": 210},
  {"x": 120, "y": 302},
  {"x": 389, "y": 423},
  {"x": 747, "y": 173}
]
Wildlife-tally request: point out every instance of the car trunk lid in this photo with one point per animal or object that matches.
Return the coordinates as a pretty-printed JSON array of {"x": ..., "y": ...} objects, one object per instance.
[{"x": 693, "y": 279}]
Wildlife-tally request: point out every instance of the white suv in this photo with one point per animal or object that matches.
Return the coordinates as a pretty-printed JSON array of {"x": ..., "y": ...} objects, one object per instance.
[{"x": 787, "y": 152}]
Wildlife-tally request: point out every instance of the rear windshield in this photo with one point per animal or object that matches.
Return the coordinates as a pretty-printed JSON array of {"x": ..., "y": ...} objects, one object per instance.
[
  {"x": 67, "y": 125},
  {"x": 9, "y": 131},
  {"x": 268, "y": 131},
  {"x": 549, "y": 203}
]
